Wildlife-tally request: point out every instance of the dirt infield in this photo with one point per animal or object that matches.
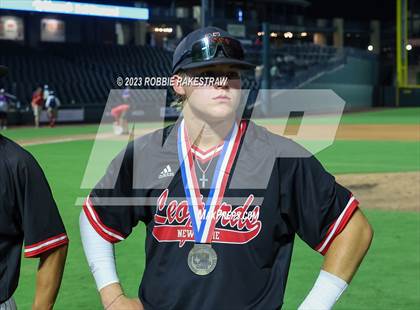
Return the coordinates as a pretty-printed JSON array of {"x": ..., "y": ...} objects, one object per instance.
[
  {"x": 352, "y": 132},
  {"x": 379, "y": 132},
  {"x": 56, "y": 139},
  {"x": 80, "y": 137},
  {"x": 387, "y": 191},
  {"x": 345, "y": 132}
]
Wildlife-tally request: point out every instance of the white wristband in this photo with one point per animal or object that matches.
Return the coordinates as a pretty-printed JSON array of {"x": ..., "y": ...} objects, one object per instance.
[{"x": 325, "y": 293}]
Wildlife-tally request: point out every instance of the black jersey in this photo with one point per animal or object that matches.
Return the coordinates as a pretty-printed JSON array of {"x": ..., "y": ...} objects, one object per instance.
[
  {"x": 28, "y": 214},
  {"x": 255, "y": 226}
]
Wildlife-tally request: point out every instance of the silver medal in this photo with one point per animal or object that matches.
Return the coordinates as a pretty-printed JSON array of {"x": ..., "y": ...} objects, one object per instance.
[{"x": 202, "y": 259}]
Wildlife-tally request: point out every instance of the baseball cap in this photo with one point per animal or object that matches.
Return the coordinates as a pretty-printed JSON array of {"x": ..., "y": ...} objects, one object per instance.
[
  {"x": 3, "y": 70},
  {"x": 183, "y": 60}
]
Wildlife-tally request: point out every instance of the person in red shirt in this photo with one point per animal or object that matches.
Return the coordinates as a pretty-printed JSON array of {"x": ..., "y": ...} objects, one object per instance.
[
  {"x": 36, "y": 104},
  {"x": 120, "y": 122}
]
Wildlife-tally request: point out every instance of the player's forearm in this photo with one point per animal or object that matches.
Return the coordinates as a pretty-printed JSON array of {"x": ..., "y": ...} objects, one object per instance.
[
  {"x": 340, "y": 264},
  {"x": 349, "y": 248},
  {"x": 48, "y": 279}
]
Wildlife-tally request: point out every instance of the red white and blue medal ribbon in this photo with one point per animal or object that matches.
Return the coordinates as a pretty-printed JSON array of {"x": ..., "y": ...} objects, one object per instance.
[{"x": 203, "y": 216}]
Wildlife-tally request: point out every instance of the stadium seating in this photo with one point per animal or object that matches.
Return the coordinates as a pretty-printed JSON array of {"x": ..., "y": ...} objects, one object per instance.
[
  {"x": 297, "y": 62},
  {"x": 83, "y": 74},
  {"x": 79, "y": 74}
]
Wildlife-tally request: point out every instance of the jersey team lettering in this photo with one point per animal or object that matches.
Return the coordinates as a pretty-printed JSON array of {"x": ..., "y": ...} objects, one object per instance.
[{"x": 237, "y": 225}]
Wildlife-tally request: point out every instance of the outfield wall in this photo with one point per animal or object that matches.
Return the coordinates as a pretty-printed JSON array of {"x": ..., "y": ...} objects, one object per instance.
[
  {"x": 354, "y": 82},
  {"x": 409, "y": 97}
]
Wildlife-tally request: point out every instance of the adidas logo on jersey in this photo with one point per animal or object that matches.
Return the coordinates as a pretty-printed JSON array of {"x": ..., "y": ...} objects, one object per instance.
[{"x": 166, "y": 172}]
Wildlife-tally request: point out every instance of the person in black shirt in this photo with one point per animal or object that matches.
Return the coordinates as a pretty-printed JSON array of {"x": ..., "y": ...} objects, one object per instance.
[
  {"x": 29, "y": 215},
  {"x": 222, "y": 200}
]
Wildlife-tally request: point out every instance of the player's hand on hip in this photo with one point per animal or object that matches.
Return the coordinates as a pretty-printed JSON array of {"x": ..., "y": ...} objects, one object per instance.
[{"x": 125, "y": 303}]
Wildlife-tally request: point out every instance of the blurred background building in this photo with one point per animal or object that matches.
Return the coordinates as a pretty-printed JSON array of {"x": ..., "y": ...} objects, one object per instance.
[{"x": 368, "y": 52}]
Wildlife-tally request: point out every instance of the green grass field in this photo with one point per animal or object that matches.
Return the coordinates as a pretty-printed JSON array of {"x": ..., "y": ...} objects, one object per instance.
[
  {"x": 389, "y": 278},
  {"x": 385, "y": 116}
]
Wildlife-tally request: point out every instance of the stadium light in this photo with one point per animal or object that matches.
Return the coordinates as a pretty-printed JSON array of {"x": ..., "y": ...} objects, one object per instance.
[
  {"x": 163, "y": 29},
  {"x": 408, "y": 47},
  {"x": 288, "y": 35},
  {"x": 240, "y": 16},
  {"x": 370, "y": 47},
  {"x": 76, "y": 8}
]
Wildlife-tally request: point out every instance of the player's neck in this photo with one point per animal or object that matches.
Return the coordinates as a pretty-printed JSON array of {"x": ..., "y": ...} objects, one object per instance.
[{"x": 205, "y": 134}]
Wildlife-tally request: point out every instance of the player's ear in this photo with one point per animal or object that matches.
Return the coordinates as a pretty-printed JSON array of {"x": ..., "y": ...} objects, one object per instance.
[{"x": 177, "y": 84}]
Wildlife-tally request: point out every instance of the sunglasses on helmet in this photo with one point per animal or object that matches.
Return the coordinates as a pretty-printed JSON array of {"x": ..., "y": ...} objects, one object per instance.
[{"x": 207, "y": 47}]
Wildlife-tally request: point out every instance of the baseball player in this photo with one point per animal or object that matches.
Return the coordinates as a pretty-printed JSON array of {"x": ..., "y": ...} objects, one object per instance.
[
  {"x": 4, "y": 107},
  {"x": 45, "y": 93},
  {"x": 29, "y": 215},
  {"x": 52, "y": 104},
  {"x": 119, "y": 113},
  {"x": 36, "y": 104},
  {"x": 211, "y": 244}
]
